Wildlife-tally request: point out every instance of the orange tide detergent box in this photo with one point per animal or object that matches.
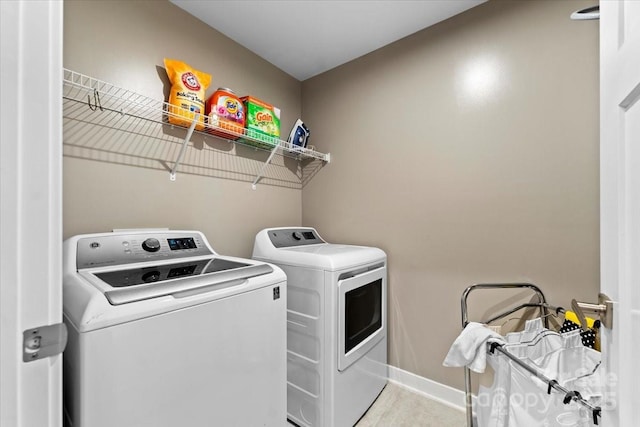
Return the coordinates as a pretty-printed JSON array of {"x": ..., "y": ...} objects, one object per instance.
[
  {"x": 262, "y": 122},
  {"x": 225, "y": 111},
  {"x": 186, "y": 98}
]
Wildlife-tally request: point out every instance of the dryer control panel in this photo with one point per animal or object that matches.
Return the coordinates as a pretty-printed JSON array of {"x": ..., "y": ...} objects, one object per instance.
[
  {"x": 121, "y": 248},
  {"x": 286, "y": 237}
]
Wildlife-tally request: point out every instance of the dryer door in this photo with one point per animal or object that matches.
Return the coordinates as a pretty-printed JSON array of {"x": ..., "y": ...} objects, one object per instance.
[{"x": 362, "y": 308}]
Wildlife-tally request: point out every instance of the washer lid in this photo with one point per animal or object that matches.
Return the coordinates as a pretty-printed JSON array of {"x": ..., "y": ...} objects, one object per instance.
[
  {"x": 90, "y": 303},
  {"x": 152, "y": 281},
  {"x": 156, "y": 274},
  {"x": 303, "y": 247},
  {"x": 327, "y": 256}
]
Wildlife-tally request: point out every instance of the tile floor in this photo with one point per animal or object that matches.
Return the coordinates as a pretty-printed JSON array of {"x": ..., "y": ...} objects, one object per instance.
[{"x": 400, "y": 407}]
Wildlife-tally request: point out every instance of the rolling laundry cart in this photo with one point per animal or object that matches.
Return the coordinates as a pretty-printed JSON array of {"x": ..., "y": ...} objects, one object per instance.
[{"x": 544, "y": 307}]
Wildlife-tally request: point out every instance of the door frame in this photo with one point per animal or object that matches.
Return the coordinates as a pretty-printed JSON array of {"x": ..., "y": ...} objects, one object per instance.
[{"x": 31, "y": 40}]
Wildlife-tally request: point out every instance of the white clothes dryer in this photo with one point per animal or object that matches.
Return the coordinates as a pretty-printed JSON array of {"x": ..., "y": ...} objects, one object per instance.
[
  {"x": 336, "y": 324},
  {"x": 165, "y": 332}
]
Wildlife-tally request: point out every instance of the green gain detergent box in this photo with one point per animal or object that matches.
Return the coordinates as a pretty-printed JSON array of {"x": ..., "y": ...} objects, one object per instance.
[{"x": 263, "y": 123}]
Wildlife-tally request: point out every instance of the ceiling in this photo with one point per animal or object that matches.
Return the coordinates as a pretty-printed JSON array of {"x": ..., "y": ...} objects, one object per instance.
[{"x": 308, "y": 37}]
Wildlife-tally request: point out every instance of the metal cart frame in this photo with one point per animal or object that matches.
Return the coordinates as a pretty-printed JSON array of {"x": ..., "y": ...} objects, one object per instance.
[{"x": 544, "y": 311}]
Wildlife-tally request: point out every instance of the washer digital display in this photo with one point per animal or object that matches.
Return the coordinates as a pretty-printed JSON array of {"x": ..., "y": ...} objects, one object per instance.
[{"x": 182, "y": 243}]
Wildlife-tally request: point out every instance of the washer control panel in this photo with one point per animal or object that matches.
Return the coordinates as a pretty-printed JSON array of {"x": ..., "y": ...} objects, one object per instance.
[
  {"x": 283, "y": 238},
  {"x": 116, "y": 248}
]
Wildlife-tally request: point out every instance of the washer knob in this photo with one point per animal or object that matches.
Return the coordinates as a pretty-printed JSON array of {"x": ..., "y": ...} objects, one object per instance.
[
  {"x": 151, "y": 245},
  {"x": 297, "y": 235},
  {"x": 151, "y": 276}
]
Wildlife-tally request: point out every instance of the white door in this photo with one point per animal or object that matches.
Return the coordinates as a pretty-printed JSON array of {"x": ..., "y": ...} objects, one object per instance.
[
  {"x": 620, "y": 204},
  {"x": 30, "y": 207}
]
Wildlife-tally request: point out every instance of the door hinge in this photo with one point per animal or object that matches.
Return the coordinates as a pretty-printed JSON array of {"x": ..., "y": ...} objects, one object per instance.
[{"x": 42, "y": 342}]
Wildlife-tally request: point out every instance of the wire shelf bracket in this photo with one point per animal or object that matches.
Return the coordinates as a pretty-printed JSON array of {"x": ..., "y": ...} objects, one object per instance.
[
  {"x": 264, "y": 166},
  {"x": 172, "y": 174}
]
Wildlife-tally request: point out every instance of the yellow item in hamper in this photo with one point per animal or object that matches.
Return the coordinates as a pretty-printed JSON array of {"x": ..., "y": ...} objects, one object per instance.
[
  {"x": 187, "y": 93},
  {"x": 570, "y": 315}
]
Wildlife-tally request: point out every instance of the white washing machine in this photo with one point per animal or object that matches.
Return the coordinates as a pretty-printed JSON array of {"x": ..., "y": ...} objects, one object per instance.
[
  {"x": 164, "y": 332},
  {"x": 336, "y": 324}
]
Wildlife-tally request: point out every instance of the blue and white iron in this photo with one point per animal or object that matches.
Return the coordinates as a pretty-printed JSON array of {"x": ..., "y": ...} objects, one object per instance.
[{"x": 299, "y": 137}]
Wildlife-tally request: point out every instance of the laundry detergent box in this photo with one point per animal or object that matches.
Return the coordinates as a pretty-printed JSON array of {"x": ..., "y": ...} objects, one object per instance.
[{"x": 262, "y": 122}]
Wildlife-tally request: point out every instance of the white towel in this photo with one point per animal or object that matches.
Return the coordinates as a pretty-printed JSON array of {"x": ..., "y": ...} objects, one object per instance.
[{"x": 469, "y": 349}]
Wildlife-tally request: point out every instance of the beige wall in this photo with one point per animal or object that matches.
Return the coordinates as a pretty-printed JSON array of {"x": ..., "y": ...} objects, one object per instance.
[
  {"x": 115, "y": 179},
  {"x": 469, "y": 153}
]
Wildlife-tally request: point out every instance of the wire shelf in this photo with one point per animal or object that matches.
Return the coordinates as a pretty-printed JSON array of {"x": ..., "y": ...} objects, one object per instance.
[{"x": 103, "y": 96}]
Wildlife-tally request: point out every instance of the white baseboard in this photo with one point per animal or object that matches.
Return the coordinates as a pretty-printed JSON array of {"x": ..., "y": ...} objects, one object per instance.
[{"x": 433, "y": 390}]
